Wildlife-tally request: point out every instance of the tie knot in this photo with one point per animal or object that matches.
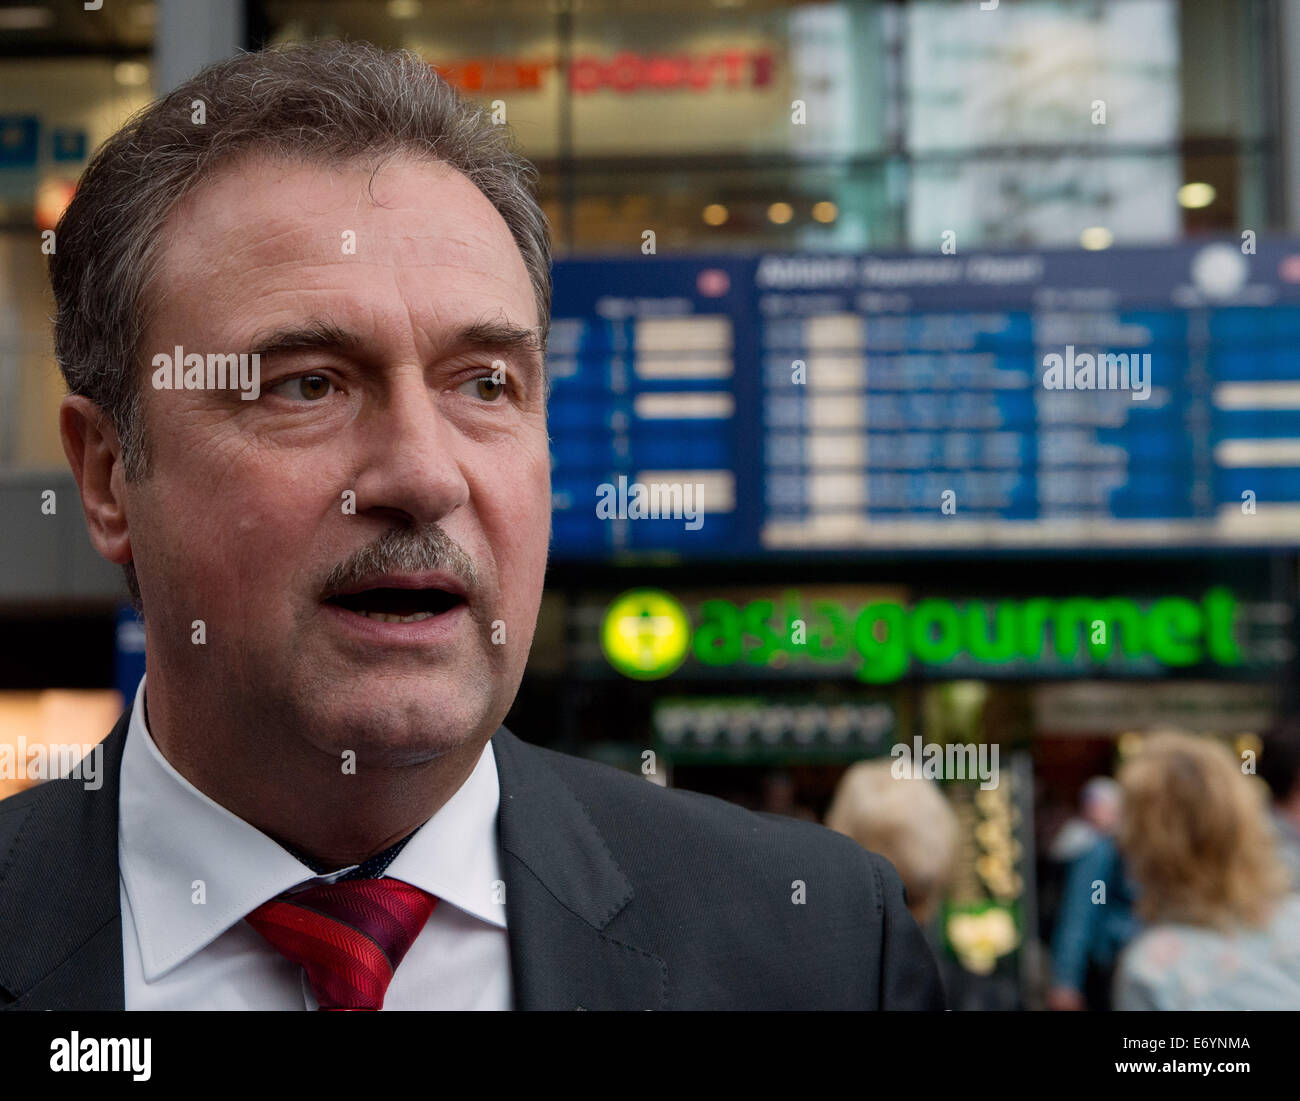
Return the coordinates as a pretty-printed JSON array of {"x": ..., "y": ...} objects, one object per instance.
[{"x": 349, "y": 937}]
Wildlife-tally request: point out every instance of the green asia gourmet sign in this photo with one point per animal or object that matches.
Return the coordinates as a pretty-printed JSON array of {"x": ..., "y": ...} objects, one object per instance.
[{"x": 647, "y": 633}]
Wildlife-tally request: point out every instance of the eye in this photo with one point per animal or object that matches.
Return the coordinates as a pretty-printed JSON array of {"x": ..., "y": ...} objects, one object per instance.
[
  {"x": 305, "y": 388},
  {"x": 485, "y": 387}
]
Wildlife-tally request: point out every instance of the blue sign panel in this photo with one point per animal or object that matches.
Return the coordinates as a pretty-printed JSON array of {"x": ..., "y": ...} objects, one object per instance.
[
  {"x": 18, "y": 141},
  {"x": 1124, "y": 398},
  {"x": 68, "y": 145}
]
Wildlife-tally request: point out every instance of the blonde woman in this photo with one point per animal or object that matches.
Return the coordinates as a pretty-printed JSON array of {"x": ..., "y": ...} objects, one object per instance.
[
  {"x": 1222, "y": 933},
  {"x": 911, "y": 824},
  {"x": 906, "y": 821}
]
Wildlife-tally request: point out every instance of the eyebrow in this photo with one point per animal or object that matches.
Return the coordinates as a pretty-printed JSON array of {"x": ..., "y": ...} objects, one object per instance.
[
  {"x": 311, "y": 335},
  {"x": 496, "y": 336},
  {"x": 482, "y": 336}
]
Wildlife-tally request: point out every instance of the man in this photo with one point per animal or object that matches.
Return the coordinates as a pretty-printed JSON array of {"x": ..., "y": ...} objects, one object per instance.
[
  {"x": 311, "y": 802},
  {"x": 1092, "y": 929}
]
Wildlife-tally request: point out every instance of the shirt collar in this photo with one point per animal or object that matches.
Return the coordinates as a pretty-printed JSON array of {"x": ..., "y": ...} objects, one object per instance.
[{"x": 192, "y": 869}]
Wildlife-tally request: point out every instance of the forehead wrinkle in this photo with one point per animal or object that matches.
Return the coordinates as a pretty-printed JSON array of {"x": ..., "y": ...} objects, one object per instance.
[
  {"x": 407, "y": 251},
  {"x": 249, "y": 288},
  {"x": 459, "y": 252},
  {"x": 477, "y": 213}
]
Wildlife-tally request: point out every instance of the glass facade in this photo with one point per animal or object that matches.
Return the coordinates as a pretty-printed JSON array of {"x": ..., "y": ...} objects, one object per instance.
[
  {"x": 861, "y": 125},
  {"x": 68, "y": 79},
  {"x": 734, "y": 126}
]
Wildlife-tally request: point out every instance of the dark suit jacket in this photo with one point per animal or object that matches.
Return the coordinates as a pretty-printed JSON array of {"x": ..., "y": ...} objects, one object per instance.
[{"x": 619, "y": 895}]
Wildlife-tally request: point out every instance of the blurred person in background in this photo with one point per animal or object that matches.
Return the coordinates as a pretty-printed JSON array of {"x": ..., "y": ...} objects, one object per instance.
[
  {"x": 1089, "y": 932},
  {"x": 780, "y": 796},
  {"x": 1097, "y": 818},
  {"x": 1279, "y": 768},
  {"x": 912, "y": 825},
  {"x": 1222, "y": 931}
]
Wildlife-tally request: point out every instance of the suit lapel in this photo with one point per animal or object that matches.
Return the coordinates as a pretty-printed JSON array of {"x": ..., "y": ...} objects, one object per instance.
[
  {"x": 562, "y": 889},
  {"x": 60, "y": 918}
]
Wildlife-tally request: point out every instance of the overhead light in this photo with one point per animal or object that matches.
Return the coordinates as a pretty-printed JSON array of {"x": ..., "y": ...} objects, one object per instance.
[
  {"x": 715, "y": 214},
  {"x": 780, "y": 213},
  {"x": 825, "y": 211},
  {"x": 1096, "y": 237},
  {"x": 1194, "y": 196},
  {"x": 132, "y": 73},
  {"x": 403, "y": 9}
]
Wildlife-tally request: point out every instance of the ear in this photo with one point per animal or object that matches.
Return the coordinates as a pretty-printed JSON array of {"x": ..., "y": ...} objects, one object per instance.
[{"x": 95, "y": 455}]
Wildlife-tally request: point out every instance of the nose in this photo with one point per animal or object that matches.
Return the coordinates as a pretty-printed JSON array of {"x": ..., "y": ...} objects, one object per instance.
[{"x": 411, "y": 461}]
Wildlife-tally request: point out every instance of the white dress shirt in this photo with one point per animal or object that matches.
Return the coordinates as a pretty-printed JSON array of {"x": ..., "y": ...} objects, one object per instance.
[{"x": 179, "y": 953}]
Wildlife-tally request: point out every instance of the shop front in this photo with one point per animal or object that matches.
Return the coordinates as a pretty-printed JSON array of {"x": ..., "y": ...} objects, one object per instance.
[{"x": 1010, "y": 698}]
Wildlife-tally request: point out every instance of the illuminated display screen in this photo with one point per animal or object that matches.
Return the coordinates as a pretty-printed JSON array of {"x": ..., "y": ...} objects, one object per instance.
[{"x": 1131, "y": 398}]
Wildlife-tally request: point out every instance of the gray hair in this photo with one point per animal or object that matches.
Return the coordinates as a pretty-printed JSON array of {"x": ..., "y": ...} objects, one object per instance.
[{"x": 320, "y": 101}]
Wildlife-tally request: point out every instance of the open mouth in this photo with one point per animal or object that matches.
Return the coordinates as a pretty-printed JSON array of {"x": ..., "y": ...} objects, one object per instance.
[{"x": 398, "y": 605}]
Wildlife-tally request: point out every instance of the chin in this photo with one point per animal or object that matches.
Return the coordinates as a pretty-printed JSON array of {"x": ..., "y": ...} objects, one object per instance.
[{"x": 395, "y": 734}]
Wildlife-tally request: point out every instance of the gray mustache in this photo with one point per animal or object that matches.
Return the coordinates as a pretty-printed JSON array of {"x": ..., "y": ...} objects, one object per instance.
[{"x": 404, "y": 550}]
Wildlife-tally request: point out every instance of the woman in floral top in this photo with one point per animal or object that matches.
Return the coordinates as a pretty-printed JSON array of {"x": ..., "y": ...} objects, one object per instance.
[{"x": 1222, "y": 932}]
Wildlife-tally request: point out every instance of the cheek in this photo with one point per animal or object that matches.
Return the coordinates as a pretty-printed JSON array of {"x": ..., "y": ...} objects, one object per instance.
[
  {"x": 538, "y": 533},
  {"x": 519, "y": 515},
  {"x": 515, "y": 484},
  {"x": 235, "y": 528},
  {"x": 520, "y": 537}
]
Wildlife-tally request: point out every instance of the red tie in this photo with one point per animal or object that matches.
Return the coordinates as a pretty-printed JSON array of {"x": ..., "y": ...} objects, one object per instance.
[{"x": 349, "y": 937}]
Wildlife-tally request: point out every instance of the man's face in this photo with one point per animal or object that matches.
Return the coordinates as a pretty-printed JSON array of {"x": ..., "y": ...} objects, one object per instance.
[{"x": 381, "y": 465}]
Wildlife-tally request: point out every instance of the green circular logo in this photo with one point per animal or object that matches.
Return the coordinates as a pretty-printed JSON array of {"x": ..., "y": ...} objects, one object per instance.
[{"x": 646, "y": 634}]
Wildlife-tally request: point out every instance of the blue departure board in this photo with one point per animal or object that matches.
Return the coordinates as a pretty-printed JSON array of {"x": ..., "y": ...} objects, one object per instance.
[
  {"x": 643, "y": 361},
  {"x": 1136, "y": 398}
]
